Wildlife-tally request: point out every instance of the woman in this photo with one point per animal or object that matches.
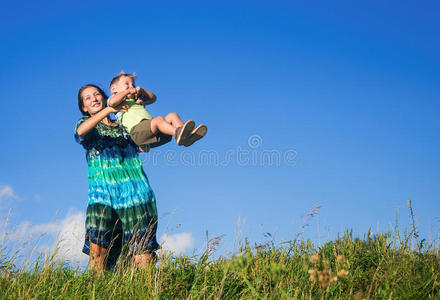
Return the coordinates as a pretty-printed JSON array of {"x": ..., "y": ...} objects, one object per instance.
[{"x": 122, "y": 208}]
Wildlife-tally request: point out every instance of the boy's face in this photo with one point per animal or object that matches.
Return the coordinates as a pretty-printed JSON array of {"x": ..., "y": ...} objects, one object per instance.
[{"x": 124, "y": 83}]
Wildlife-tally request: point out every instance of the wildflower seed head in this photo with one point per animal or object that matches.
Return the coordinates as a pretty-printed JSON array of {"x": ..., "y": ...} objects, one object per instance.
[
  {"x": 323, "y": 276},
  {"x": 342, "y": 273},
  {"x": 358, "y": 295},
  {"x": 340, "y": 259},
  {"x": 314, "y": 258},
  {"x": 312, "y": 275},
  {"x": 325, "y": 263}
]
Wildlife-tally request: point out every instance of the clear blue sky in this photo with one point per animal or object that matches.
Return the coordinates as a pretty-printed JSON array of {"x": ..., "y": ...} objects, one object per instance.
[{"x": 353, "y": 87}]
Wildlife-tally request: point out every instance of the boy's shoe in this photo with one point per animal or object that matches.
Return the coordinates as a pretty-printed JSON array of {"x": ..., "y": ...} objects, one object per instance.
[
  {"x": 183, "y": 132},
  {"x": 198, "y": 132}
]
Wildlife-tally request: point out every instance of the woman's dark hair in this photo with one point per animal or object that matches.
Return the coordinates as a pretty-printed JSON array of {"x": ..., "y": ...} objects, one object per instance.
[{"x": 80, "y": 99}]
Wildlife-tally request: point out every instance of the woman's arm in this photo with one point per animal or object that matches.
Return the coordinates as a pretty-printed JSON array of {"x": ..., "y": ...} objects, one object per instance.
[{"x": 91, "y": 122}]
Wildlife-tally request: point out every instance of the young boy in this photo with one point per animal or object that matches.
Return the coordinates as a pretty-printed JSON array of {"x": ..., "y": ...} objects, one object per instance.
[{"x": 143, "y": 128}]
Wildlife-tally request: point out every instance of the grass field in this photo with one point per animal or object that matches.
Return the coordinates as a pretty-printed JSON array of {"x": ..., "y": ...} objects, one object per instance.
[
  {"x": 383, "y": 266},
  {"x": 390, "y": 265}
]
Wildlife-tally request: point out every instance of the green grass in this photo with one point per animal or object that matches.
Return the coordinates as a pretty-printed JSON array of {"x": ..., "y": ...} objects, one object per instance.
[{"x": 383, "y": 266}]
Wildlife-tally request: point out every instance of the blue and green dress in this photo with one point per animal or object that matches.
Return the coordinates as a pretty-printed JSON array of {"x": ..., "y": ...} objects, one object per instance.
[{"x": 121, "y": 208}]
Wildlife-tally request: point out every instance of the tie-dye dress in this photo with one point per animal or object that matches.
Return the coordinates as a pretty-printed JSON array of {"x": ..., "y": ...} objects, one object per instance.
[{"x": 121, "y": 208}]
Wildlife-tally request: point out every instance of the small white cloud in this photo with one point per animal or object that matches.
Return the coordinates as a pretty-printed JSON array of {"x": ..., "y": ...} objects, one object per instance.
[
  {"x": 20, "y": 233},
  {"x": 66, "y": 235},
  {"x": 6, "y": 194},
  {"x": 70, "y": 238},
  {"x": 6, "y": 191},
  {"x": 177, "y": 243}
]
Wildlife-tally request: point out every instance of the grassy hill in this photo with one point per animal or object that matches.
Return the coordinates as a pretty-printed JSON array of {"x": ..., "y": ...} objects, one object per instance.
[{"x": 384, "y": 266}]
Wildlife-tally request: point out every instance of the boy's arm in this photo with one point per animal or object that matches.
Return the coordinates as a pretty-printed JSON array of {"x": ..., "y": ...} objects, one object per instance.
[
  {"x": 117, "y": 99},
  {"x": 148, "y": 96}
]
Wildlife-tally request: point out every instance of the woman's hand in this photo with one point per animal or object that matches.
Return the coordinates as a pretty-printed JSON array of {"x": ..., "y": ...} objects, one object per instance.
[{"x": 121, "y": 107}]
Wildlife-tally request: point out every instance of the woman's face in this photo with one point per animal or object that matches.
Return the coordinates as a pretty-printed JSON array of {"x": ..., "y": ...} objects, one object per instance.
[{"x": 93, "y": 101}]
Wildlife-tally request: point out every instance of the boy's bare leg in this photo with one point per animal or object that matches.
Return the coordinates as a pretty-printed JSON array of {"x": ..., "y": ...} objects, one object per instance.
[
  {"x": 97, "y": 258},
  {"x": 142, "y": 260},
  {"x": 162, "y": 125},
  {"x": 174, "y": 119},
  {"x": 180, "y": 133}
]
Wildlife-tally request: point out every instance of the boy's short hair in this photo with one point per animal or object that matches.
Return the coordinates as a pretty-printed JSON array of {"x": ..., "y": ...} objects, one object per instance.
[{"x": 120, "y": 75}]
